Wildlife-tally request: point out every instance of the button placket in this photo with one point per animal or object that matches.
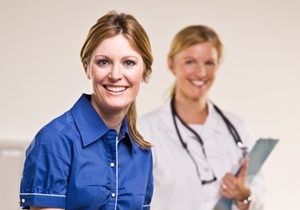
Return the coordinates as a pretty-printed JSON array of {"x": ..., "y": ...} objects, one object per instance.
[{"x": 112, "y": 164}]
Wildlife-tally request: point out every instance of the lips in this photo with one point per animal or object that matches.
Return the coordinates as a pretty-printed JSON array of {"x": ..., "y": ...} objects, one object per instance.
[
  {"x": 115, "y": 89},
  {"x": 198, "y": 82}
]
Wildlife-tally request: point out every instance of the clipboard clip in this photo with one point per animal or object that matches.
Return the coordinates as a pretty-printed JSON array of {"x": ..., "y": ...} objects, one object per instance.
[
  {"x": 244, "y": 156},
  {"x": 243, "y": 148}
]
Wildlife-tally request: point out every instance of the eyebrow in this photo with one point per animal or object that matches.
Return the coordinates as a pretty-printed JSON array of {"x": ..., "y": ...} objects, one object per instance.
[
  {"x": 126, "y": 56},
  {"x": 105, "y": 56},
  {"x": 188, "y": 57}
]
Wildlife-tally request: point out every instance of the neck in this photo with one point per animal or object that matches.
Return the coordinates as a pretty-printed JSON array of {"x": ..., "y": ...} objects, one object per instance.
[
  {"x": 191, "y": 111},
  {"x": 112, "y": 118}
]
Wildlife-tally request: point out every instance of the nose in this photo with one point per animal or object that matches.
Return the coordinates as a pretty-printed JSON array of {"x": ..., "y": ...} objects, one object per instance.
[
  {"x": 115, "y": 73},
  {"x": 201, "y": 70}
]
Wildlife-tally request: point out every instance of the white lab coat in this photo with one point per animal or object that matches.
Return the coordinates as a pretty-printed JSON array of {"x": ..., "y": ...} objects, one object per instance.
[{"x": 176, "y": 183}]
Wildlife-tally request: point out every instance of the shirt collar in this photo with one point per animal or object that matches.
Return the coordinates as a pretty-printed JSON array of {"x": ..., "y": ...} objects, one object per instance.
[{"x": 90, "y": 125}]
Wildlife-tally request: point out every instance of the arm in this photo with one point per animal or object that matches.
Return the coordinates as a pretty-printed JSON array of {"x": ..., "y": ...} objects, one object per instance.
[
  {"x": 41, "y": 208},
  {"x": 149, "y": 188},
  {"x": 257, "y": 186},
  {"x": 45, "y": 174},
  {"x": 258, "y": 192},
  {"x": 236, "y": 188}
]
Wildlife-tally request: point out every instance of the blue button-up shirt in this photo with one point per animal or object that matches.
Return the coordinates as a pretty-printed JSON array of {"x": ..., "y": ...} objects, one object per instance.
[{"x": 77, "y": 162}]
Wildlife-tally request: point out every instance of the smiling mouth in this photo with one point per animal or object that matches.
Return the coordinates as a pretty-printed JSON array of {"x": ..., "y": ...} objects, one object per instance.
[
  {"x": 198, "y": 83},
  {"x": 115, "y": 89}
]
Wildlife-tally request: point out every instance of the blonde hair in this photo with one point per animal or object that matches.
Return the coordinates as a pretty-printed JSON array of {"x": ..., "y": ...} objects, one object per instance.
[
  {"x": 192, "y": 35},
  {"x": 111, "y": 25}
]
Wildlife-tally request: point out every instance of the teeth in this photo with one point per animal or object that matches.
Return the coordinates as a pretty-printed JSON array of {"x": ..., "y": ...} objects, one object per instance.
[
  {"x": 115, "y": 88},
  {"x": 198, "y": 82}
]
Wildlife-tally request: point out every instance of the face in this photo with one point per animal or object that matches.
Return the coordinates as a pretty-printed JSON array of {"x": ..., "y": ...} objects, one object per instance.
[
  {"x": 195, "y": 71},
  {"x": 116, "y": 72}
]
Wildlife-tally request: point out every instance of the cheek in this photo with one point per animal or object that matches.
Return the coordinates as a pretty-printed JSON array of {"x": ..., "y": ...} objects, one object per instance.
[
  {"x": 137, "y": 76},
  {"x": 136, "y": 82},
  {"x": 136, "y": 89},
  {"x": 182, "y": 73},
  {"x": 212, "y": 74},
  {"x": 97, "y": 75},
  {"x": 181, "y": 70}
]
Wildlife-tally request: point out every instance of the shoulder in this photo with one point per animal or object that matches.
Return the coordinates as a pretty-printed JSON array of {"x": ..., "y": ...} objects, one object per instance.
[
  {"x": 55, "y": 135},
  {"x": 154, "y": 120},
  {"x": 234, "y": 118},
  {"x": 242, "y": 128},
  {"x": 151, "y": 124},
  {"x": 160, "y": 114},
  {"x": 216, "y": 112},
  {"x": 61, "y": 125}
]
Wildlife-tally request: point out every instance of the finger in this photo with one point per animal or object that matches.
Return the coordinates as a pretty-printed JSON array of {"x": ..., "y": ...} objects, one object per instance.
[
  {"x": 226, "y": 192},
  {"x": 243, "y": 172},
  {"x": 223, "y": 186},
  {"x": 230, "y": 181},
  {"x": 228, "y": 189},
  {"x": 229, "y": 177}
]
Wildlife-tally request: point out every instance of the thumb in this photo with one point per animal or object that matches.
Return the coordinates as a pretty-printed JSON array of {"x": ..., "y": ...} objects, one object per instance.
[{"x": 243, "y": 172}]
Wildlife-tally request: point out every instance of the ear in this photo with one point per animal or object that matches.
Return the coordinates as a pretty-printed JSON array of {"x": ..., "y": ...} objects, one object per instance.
[
  {"x": 87, "y": 70},
  {"x": 146, "y": 73},
  {"x": 171, "y": 65}
]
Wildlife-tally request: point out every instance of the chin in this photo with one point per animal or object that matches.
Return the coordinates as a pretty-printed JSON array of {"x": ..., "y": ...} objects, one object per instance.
[
  {"x": 197, "y": 96},
  {"x": 118, "y": 106}
]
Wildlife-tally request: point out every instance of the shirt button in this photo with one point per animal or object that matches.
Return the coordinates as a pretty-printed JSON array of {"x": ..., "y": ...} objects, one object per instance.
[
  {"x": 23, "y": 200},
  {"x": 112, "y": 164},
  {"x": 113, "y": 195}
]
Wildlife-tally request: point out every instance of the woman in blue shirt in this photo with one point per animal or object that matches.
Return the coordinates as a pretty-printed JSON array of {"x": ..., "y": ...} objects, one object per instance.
[{"x": 92, "y": 156}]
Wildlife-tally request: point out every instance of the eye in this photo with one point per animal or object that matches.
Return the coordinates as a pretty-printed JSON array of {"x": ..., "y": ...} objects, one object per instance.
[
  {"x": 103, "y": 62},
  {"x": 189, "y": 62},
  {"x": 129, "y": 63},
  {"x": 210, "y": 63}
]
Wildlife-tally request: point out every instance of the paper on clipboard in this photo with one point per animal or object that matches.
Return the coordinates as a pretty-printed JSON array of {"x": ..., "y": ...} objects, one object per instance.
[{"x": 259, "y": 153}]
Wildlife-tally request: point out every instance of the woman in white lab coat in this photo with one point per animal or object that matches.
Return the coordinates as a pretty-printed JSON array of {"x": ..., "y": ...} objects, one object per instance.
[{"x": 198, "y": 147}]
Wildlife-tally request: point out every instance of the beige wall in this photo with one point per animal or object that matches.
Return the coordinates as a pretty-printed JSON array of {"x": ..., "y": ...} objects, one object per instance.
[{"x": 41, "y": 74}]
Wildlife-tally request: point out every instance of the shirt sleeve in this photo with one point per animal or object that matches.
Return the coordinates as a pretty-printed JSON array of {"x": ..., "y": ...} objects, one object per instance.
[
  {"x": 46, "y": 170},
  {"x": 149, "y": 189},
  {"x": 258, "y": 189}
]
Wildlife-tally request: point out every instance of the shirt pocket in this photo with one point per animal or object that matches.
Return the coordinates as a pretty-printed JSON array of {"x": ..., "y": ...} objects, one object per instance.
[
  {"x": 88, "y": 197},
  {"x": 132, "y": 201}
]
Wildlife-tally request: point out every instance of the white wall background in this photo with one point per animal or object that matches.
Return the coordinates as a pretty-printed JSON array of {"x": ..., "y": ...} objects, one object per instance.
[{"x": 41, "y": 74}]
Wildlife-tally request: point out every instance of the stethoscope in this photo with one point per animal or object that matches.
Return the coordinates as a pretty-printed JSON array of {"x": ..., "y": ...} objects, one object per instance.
[{"x": 229, "y": 125}]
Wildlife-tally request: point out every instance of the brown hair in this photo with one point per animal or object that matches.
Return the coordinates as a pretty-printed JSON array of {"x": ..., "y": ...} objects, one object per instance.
[
  {"x": 108, "y": 26},
  {"x": 192, "y": 35}
]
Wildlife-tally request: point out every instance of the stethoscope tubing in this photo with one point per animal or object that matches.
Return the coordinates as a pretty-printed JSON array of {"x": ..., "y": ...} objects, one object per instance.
[{"x": 229, "y": 125}]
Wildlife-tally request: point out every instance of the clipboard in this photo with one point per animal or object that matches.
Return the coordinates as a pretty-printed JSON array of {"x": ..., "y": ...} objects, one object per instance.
[{"x": 257, "y": 156}]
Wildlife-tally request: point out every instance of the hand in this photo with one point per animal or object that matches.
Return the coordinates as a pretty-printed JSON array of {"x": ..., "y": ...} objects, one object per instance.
[{"x": 235, "y": 187}]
